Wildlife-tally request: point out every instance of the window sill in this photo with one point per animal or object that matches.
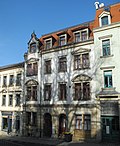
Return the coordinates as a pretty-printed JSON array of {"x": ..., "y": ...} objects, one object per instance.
[
  {"x": 109, "y": 89},
  {"x": 82, "y": 68},
  {"x": 107, "y": 56}
]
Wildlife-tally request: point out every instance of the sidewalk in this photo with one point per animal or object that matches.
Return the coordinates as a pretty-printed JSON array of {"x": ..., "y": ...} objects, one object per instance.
[{"x": 54, "y": 141}]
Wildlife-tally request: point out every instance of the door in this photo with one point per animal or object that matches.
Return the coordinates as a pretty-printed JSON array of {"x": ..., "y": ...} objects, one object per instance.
[
  {"x": 110, "y": 128},
  {"x": 47, "y": 125},
  {"x": 62, "y": 124}
]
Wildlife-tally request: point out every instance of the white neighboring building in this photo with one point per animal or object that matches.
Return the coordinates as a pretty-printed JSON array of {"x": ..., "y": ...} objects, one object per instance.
[
  {"x": 11, "y": 98},
  {"x": 107, "y": 51}
]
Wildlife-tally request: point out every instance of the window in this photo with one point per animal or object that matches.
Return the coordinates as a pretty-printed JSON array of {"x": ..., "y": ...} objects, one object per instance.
[
  {"x": 81, "y": 61},
  {"x": 4, "y": 81},
  {"x": 82, "y": 91},
  {"x": 104, "y": 20},
  {"x": 18, "y": 80},
  {"x": 48, "y": 44},
  {"x": 31, "y": 118},
  {"x": 32, "y": 69},
  {"x": 108, "y": 79},
  {"x": 77, "y": 37},
  {"x": 83, "y": 35},
  {"x": 32, "y": 93},
  {"x": 83, "y": 122},
  {"x": 106, "y": 47},
  {"x": 62, "y": 91},
  {"x": 47, "y": 92},
  {"x": 17, "y": 100},
  {"x": 78, "y": 122},
  {"x": 11, "y": 80},
  {"x": 10, "y": 100},
  {"x": 62, "y": 64},
  {"x": 33, "y": 48},
  {"x": 4, "y": 100},
  {"x": 62, "y": 40},
  {"x": 87, "y": 122},
  {"x": 0, "y": 80},
  {"x": 48, "y": 66}
]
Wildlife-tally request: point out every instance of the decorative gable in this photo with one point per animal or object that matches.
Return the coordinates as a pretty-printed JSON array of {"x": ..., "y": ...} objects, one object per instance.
[
  {"x": 80, "y": 51},
  {"x": 80, "y": 78}
]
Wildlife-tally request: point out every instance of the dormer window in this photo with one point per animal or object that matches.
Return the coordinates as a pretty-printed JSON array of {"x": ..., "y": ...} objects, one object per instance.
[
  {"x": 33, "y": 48},
  {"x": 62, "y": 40},
  {"x": 104, "y": 18},
  {"x": 48, "y": 44},
  {"x": 77, "y": 37},
  {"x": 81, "y": 35}
]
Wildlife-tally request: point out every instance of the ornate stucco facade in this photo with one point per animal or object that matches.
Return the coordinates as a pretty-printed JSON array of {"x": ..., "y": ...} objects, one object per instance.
[{"x": 69, "y": 82}]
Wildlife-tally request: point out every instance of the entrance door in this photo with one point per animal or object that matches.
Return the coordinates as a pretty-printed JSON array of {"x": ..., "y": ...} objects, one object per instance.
[
  {"x": 47, "y": 125},
  {"x": 110, "y": 128},
  {"x": 17, "y": 123},
  {"x": 62, "y": 124}
]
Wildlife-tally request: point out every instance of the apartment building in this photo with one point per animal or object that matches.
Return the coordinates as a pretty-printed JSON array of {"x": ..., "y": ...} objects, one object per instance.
[
  {"x": 69, "y": 82},
  {"x": 107, "y": 43},
  {"x": 11, "y": 95}
]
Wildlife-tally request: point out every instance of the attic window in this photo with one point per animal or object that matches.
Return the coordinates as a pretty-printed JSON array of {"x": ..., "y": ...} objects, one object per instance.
[
  {"x": 33, "y": 48},
  {"x": 104, "y": 20}
]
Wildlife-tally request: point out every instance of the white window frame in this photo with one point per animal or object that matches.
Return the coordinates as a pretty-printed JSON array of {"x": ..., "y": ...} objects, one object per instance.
[
  {"x": 50, "y": 39},
  {"x": 103, "y": 14},
  {"x": 60, "y": 36},
  {"x": 80, "y": 31}
]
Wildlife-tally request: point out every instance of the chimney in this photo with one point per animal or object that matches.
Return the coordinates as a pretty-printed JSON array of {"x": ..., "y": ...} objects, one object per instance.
[{"x": 96, "y": 5}]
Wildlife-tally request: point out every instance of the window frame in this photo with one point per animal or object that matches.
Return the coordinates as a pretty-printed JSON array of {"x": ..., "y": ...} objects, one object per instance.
[
  {"x": 79, "y": 61},
  {"x": 3, "y": 100},
  {"x": 62, "y": 92},
  {"x": 18, "y": 102},
  {"x": 107, "y": 78},
  {"x": 47, "y": 65},
  {"x": 106, "y": 48},
  {"x": 48, "y": 43},
  {"x": 62, "y": 65},
  {"x": 81, "y": 90},
  {"x": 4, "y": 80},
  {"x": 47, "y": 92},
  {"x": 82, "y": 121},
  {"x": 31, "y": 93},
  {"x": 33, "y": 48},
  {"x": 32, "y": 71},
  {"x": 103, "y": 15},
  {"x": 18, "y": 79},
  {"x": 10, "y": 100},
  {"x": 80, "y": 32},
  {"x": 63, "y": 39},
  {"x": 11, "y": 80}
]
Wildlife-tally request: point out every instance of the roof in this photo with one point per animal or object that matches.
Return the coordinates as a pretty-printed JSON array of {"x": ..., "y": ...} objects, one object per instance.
[{"x": 17, "y": 65}]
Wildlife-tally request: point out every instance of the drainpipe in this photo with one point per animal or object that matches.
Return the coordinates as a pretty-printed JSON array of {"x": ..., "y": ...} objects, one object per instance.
[{"x": 40, "y": 95}]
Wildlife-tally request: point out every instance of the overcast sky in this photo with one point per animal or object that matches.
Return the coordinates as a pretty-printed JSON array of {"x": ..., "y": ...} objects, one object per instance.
[{"x": 19, "y": 18}]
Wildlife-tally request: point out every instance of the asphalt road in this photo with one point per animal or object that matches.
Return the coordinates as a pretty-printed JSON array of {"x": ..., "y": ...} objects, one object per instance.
[{"x": 16, "y": 143}]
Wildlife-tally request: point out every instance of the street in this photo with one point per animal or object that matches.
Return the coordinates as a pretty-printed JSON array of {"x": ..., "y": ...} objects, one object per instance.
[{"x": 4, "y": 142}]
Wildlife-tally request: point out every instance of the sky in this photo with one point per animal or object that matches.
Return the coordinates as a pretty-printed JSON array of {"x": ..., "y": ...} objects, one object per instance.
[{"x": 19, "y": 18}]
